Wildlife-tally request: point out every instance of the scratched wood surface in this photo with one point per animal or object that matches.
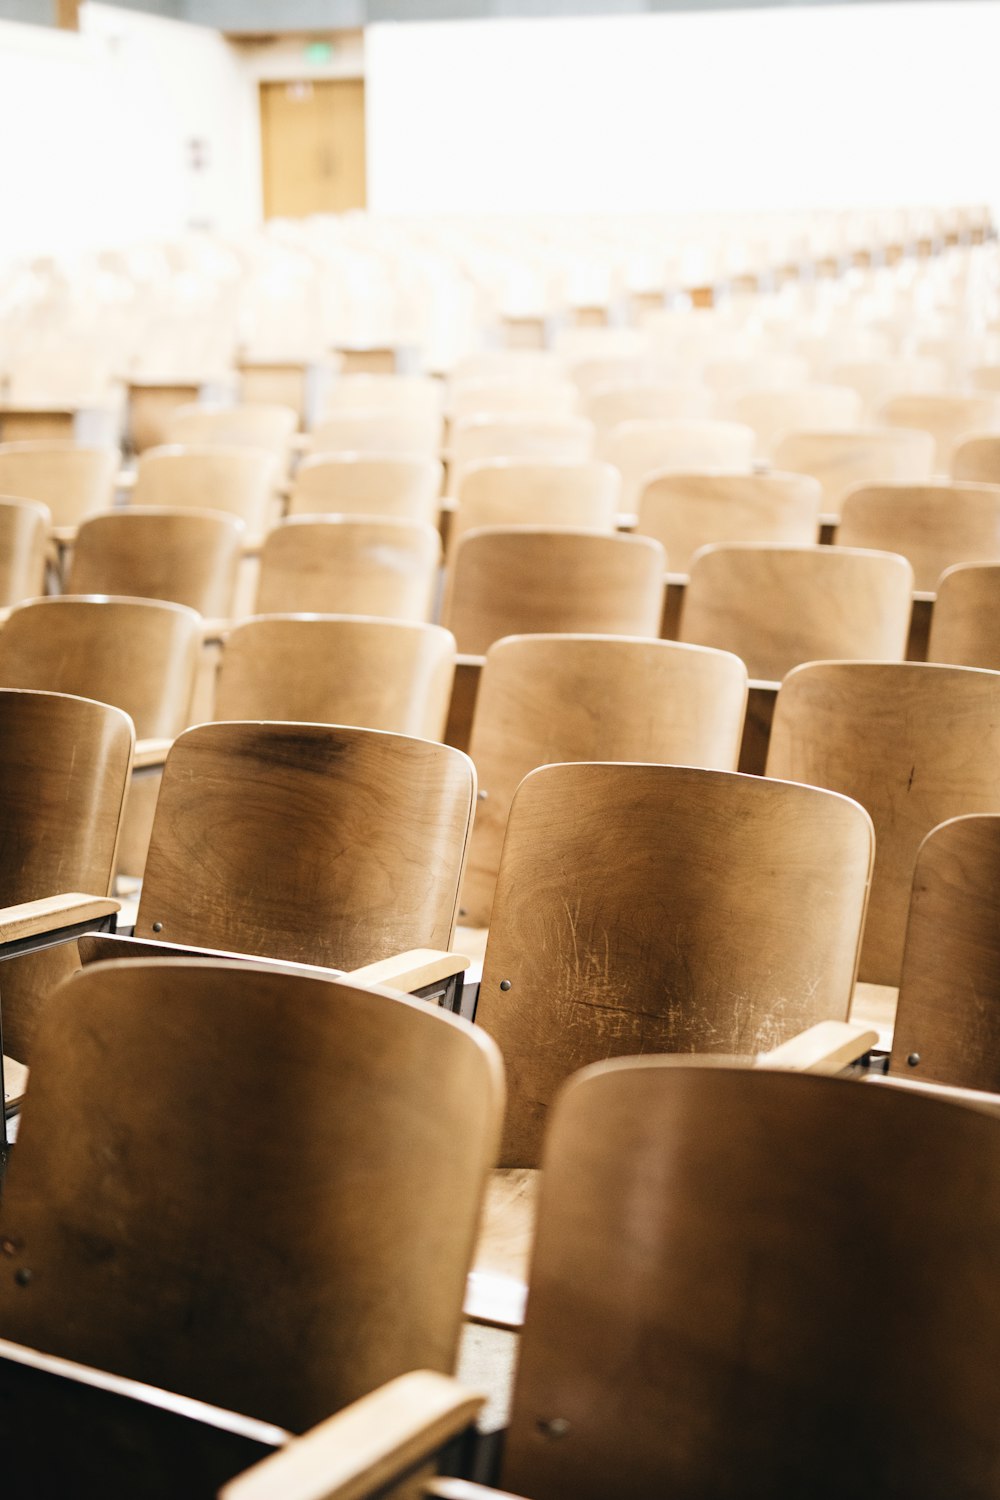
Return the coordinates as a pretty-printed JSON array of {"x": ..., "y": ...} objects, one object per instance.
[
  {"x": 934, "y": 525},
  {"x": 664, "y": 909},
  {"x": 350, "y": 566},
  {"x": 322, "y": 844},
  {"x": 687, "y": 511},
  {"x": 158, "y": 552},
  {"x": 250, "y": 1187},
  {"x": 915, "y": 743}
]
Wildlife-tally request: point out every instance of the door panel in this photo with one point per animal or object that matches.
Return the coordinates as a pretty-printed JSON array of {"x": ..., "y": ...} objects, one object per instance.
[{"x": 313, "y": 146}]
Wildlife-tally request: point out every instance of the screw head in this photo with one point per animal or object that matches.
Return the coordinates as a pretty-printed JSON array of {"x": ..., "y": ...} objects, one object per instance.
[
  {"x": 157, "y": 926},
  {"x": 22, "y": 1276},
  {"x": 913, "y": 1060},
  {"x": 505, "y": 984},
  {"x": 553, "y": 1427}
]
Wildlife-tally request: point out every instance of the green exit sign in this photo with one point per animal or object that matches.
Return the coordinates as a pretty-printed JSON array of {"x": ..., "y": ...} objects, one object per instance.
[{"x": 318, "y": 53}]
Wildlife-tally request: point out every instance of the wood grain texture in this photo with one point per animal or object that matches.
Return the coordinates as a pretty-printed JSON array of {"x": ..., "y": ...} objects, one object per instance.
[
  {"x": 237, "y": 480},
  {"x": 841, "y": 460},
  {"x": 687, "y": 511},
  {"x": 716, "y": 1352},
  {"x": 948, "y": 1013},
  {"x": 350, "y": 566},
  {"x": 547, "y": 698},
  {"x": 139, "y": 654},
  {"x": 641, "y": 449},
  {"x": 965, "y": 624},
  {"x": 977, "y": 458},
  {"x": 282, "y": 1271},
  {"x": 70, "y": 480},
  {"x": 519, "y": 492},
  {"x": 779, "y": 606},
  {"x": 934, "y": 525},
  {"x": 320, "y": 844},
  {"x": 947, "y": 416},
  {"x": 367, "y": 484},
  {"x": 663, "y": 909},
  {"x": 24, "y": 530},
  {"x": 376, "y": 674},
  {"x": 184, "y": 556},
  {"x": 914, "y": 743},
  {"x": 530, "y": 580}
]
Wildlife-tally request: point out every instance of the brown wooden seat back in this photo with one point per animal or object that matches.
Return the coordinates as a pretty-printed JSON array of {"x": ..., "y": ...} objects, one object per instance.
[
  {"x": 869, "y": 455},
  {"x": 350, "y": 566},
  {"x": 72, "y": 480},
  {"x": 947, "y": 416},
  {"x": 934, "y": 525},
  {"x": 977, "y": 458},
  {"x": 184, "y": 556},
  {"x": 368, "y": 484},
  {"x": 24, "y": 530},
  {"x": 687, "y": 511},
  {"x": 237, "y": 480},
  {"x": 965, "y": 623}
]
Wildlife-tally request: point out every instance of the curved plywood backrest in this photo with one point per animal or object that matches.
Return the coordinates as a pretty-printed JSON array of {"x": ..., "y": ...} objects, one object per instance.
[
  {"x": 634, "y": 401},
  {"x": 71, "y": 480},
  {"x": 347, "y": 565},
  {"x": 914, "y": 743},
  {"x": 685, "y": 512},
  {"x": 875, "y": 380},
  {"x": 139, "y": 654},
  {"x": 817, "y": 407},
  {"x": 934, "y": 525},
  {"x": 641, "y": 449},
  {"x": 368, "y": 484},
  {"x": 311, "y": 842},
  {"x": 705, "y": 1237},
  {"x": 184, "y": 556},
  {"x": 251, "y": 425},
  {"x": 779, "y": 606},
  {"x": 288, "y": 1191},
  {"x": 646, "y": 908},
  {"x": 946, "y": 416},
  {"x": 538, "y": 397},
  {"x": 841, "y": 460},
  {"x": 473, "y": 439},
  {"x": 24, "y": 532},
  {"x": 977, "y": 458},
  {"x": 546, "y": 698},
  {"x": 377, "y": 431},
  {"x": 402, "y": 395},
  {"x": 377, "y": 674},
  {"x": 948, "y": 1017},
  {"x": 238, "y": 480},
  {"x": 965, "y": 623},
  {"x": 64, "y": 769},
  {"x": 530, "y": 580},
  {"x": 522, "y": 492}
]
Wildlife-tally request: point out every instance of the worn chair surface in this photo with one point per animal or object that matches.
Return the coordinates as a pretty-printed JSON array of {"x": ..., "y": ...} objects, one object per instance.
[
  {"x": 965, "y": 624},
  {"x": 237, "y": 479},
  {"x": 815, "y": 407},
  {"x": 934, "y": 525},
  {"x": 349, "y": 565},
  {"x": 870, "y": 455},
  {"x": 184, "y": 556},
  {"x": 946, "y": 415},
  {"x": 519, "y": 492},
  {"x": 640, "y": 449},
  {"x": 367, "y": 484},
  {"x": 977, "y": 458},
  {"x": 687, "y": 511},
  {"x": 70, "y": 479},
  {"x": 24, "y": 531}
]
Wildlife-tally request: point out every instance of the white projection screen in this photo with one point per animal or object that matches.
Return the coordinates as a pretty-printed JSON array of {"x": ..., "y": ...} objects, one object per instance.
[{"x": 892, "y": 103}]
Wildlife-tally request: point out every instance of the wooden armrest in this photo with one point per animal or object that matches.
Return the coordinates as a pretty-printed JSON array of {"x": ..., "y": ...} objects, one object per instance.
[
  {"x": 63, "y": 536},
  {"x": 762, "y": 685},
  {"x": 301, "y": 442},
  {"x": 31, "y": 918},
  {"x": 149, "y": 753},
  {"x": 464, "y": 1489},
  {"x": 251, "y": 546},
  {"x": 412, "y": 970},
  {"x": 676, "y": 580},
  {"x": 214, "y": 632},
  {"x": 365, "y": 1446},
  {"x": 467, "y": 659},
  {"x": 15, "y": 1081},
  {"x": 827, "y": 1047}
]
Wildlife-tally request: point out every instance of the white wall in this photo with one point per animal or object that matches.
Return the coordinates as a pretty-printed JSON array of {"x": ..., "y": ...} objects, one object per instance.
[
  {"x": 95, "y": 129},
  {"x": 861, "y": 104}
]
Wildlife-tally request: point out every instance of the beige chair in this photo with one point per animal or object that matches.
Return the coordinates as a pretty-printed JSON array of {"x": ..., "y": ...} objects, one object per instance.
[
  {"x": 527, "y": 580},
  {"x": 533, "y": 366},
  {"x": 965, "y": 623},
  {"x": 546, "y": 698},
  {"x": 934, "y": 525},
  {"x": 638, "y": 450},
  {"x": 875, "y": 380},
  {"x": 151, "y": 408},
  {"x": 608, "y": 405},
  {"x": 375, "y": 674},
  {"x": 841, "y": 460},
  {"x": 519, "y": 492},
  {"x": 240, "y": 481},
  {"x": 814, "y": 408},
  {"x": 24, "y": 535},
  {"x": 185, "y": 556},
  {"x": 947, "y": 417},
  {"x": 985, "y": 377},
  {"x": 368, "y": 484},
  {"x": 914, "y": 743},
  {"x": 658, "y": 908},
  {"x": 473, "y": 439},
  {"x": 777, "y": 607},
  {"x": 382, "y": 432},
  {"x": 416, "y": 396},
  {"x": 274, "y": 1181},
  {"x": 639, "y": 369},
  {"x": 70, "y": 480},
  {"x": 249, "y": 426},
  {"x": 349, "y": 566},
  {"x": 687, "y": 511},
  {"x": 530, "y": 398},
  {"x": 977, "y": 458},
  {"x": 760, "y": 372}
]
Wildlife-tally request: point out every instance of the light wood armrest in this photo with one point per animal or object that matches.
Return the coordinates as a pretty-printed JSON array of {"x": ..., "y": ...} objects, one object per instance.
[
  {"x": 464, "y": 1489},
  {"x": 31, "y": 918},
  {"x": 466, "y": 659},
  {"x": 15, "y": 1081},
  {"x": 214, "y": 632},
  {"x": 251, "y": 546},
  {"x": 763, "y": 685},
  {"x": 148, "y": 753},
  {"x": 301, "y": 442},
  {"x": 412, "y": 970},
  {"x": 125, "y": 479},
  {"x": 365, "y": 1446},
  {"x": 827, "y": 1047},
  {"x": 64, "y": 536}
]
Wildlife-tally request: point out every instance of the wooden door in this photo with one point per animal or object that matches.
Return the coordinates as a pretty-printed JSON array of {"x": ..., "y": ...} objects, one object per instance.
[{"x": 313, "y": 146}]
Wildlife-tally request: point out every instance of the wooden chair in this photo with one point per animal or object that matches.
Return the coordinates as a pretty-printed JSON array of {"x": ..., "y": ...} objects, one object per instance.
[
  {"x": 416, "y": 396},
  {"x": 517, "y": 492},
  {"x": 528, "y": 580},
  {"x": 949, "y": 989},
  {"x": 240, "y": 481},
  {"x": 875, "y": 380},
  {"x": 368, "y": 484},
  {"x": 914, "y": 743},
  {"x": 977, "y": 458},
  {"x": 779, "y": 606},
  {"x": 151, "y": 408},
  {"x": 704, "y": 1231},
  {"x": 816, "y": 408},
  {"x": 24, "y": 534},
  {"x": 842, "y": 460},
  {"x": 383, "y": 432},
  {"x": 249, "y": 426},
  {"x": 759, "y": 372},
  {"x": 687, "y": 511},
  {"x": 474, "y": 439},
  {"x": 546, "y": 698},
  {"x": 640, "y": 450},
  {"x": 934, "y": 525},
  {"x": 946, "y": 416},
  {"x": 658, "y": 908},
  {"x": 608, "y": 405},
  {"x": 289, "y": 1180},
  {"x": 185, "y": 556},
  {"x": 349, "y": 565},
  {"x": 965, "y": 623},
  {"x": 523, "y": 397},
  {"x": 375, "y": 674},
  {"x": 588, "y": 374},
  {"x": 70, "y": 480}
]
